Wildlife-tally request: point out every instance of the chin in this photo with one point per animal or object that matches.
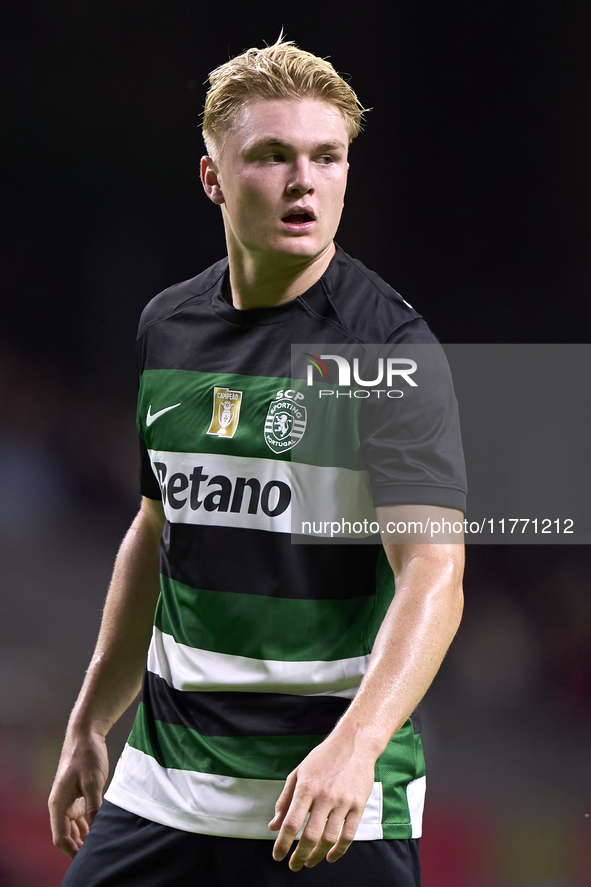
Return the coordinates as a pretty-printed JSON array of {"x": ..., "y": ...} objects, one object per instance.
[{"x": 301, "y": 246}]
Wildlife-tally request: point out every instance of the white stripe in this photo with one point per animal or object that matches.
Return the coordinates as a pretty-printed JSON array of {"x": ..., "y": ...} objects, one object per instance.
[
  {"x": 318, "y": 494},
  {"x": 264, "y": 470},
  {"x": 415, "y": 795},
  {"x": 208, "y": 803},
  {"x": 188, "y": 668},
  {"x": 324, "y": 496}
]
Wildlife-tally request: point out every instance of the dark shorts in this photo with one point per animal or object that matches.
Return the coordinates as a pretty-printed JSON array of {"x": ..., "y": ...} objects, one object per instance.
[{"x": 124, "y": 850}]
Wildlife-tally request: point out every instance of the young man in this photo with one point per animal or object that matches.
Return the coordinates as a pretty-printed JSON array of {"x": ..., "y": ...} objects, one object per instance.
[{"x": 281, "y": 678}]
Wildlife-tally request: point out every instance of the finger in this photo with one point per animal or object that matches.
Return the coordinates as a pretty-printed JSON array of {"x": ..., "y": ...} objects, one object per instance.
[
  {"x": 79, "y": 831},
  {"x": 82, "y": 826},
  {"x": 75, "y": 835},
  {"x": 346, "y": 837},
  {"x": 312, "y": 837},
  {"x": 293, "y": 822},
  {"x": 291, "y": 826},
  {"x": 61, "y": 833},
  {"x": 283, "y": 802},
  {"x": 67, "y": 846},
  {"x": 93, "y": 798},
  {"x": 329, "y": 838}
]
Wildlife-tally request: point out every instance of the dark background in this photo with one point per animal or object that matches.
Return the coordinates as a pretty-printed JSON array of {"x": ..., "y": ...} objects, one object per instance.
[{"x": 470, "y": 192}]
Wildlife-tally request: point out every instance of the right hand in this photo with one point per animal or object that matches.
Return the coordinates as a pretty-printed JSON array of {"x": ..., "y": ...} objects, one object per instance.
[{"x": 77, "y": 791}]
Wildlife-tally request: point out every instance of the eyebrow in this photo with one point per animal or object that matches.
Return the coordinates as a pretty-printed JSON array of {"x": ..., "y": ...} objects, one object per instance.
[{"x": 278, "y": 143}]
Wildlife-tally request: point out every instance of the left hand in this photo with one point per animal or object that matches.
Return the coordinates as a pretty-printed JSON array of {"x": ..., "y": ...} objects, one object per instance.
[{"x": 332, "y": 784}]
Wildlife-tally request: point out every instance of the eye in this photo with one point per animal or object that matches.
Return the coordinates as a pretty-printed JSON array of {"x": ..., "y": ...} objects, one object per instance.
[{"x": 325, "y": 159}]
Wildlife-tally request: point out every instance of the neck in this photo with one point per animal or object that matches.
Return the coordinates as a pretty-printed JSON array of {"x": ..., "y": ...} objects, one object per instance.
[{"x": 266, "y": 285}]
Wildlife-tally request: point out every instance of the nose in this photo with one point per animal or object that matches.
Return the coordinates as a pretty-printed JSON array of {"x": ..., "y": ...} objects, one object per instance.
[{"x": 300, "y": 178}]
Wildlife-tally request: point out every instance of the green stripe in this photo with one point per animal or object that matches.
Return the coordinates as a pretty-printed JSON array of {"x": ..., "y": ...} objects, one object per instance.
[
  {"x": 331, "y": 437},
  {"x": 274, "y": 757},
  {"x": 401, "y": 762},
  {"x": 263, "y": 627},
  {"x": 261, "y": 757}
]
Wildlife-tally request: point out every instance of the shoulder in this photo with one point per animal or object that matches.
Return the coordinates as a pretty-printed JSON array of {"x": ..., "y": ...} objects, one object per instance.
[
  {"x": 369, "y": 308},
  {"x": 175, "y": 297}
]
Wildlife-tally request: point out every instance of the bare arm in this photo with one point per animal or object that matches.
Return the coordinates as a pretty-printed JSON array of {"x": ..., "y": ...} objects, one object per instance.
[
  {"x": 334, "y": 781},
  {"x": 112, "y": 681}
]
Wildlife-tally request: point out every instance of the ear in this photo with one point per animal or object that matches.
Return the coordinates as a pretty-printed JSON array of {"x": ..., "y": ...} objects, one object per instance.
[{"x": 210, "y": 180}]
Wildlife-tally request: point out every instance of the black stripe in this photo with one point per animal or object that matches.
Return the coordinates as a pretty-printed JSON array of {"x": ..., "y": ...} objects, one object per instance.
[
  {"x": 348, "y": 304},
  {"x": 257, "y": 562},
  {"x": 242, "y": 714},
  {"x": 172, "y": 343}
]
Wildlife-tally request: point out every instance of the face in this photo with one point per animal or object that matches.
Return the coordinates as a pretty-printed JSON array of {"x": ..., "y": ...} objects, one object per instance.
[{"x": 280, "y": 178}]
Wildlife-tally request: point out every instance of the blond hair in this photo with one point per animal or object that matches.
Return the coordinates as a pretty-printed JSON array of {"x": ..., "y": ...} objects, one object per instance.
[{"x": 281, "y": 70}]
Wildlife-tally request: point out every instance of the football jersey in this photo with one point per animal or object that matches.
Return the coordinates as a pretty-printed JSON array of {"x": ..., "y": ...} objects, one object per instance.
[{"x": 260, "y": 642}]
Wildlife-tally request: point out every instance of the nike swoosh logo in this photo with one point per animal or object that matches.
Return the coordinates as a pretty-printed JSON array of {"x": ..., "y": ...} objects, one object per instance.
[{"x": 151, "y": 417}]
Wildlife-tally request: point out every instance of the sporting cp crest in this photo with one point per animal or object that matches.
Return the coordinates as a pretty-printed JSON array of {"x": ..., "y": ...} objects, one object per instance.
[
  {"x": 285, "y": 423},
  {"x": 226, "y": 412}
]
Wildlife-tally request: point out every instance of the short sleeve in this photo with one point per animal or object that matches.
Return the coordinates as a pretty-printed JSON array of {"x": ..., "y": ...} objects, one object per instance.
[
  {"x": 410, "y": 435},
  {"x": 149, "y": 486}
]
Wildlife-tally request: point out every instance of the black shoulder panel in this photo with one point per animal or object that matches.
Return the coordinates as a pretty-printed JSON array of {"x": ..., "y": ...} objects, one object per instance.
[
  {"x": 367, "y": 307},
  {"x": 166, "y": 302}
]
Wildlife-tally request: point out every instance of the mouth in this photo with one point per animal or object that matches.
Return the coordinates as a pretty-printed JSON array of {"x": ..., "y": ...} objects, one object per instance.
[
  {"x": 298, "y": 218},
  {"x": 299, "y": 221}
]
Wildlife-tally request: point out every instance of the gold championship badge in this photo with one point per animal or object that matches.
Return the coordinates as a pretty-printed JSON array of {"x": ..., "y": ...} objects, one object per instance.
[{"x": 226, "y": 412}]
